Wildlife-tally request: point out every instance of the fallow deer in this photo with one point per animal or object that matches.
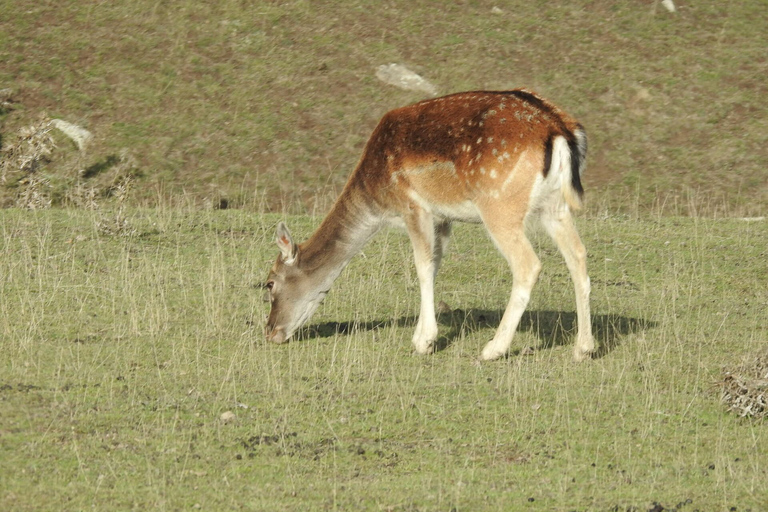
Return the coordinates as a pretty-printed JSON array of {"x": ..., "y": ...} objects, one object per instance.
[{"x": 505, "y": 159}]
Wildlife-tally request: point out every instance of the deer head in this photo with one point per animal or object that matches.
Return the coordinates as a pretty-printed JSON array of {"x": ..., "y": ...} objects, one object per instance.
[{"x": 294, "y": 292}]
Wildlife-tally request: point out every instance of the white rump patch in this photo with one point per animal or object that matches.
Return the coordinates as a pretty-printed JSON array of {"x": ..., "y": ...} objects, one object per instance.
[
  {"x": 561, "y": 159},
  {"x": 550, "y": 194}
]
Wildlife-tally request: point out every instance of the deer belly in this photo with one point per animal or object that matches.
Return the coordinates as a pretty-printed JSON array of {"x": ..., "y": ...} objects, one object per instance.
[
  {"x": 437, "y": 187},
  {"x": 466, "y": 211},
  {"x": 445, "y": 206}
]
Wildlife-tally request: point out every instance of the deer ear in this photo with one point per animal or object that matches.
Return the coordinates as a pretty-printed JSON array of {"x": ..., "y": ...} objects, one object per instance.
[{"x": 288, "y": 249}]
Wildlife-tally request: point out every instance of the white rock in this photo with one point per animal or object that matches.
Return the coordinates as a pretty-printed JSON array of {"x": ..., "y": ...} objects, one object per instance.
[
  {"x": 402, "y": 77},
  {"x": 669, "y": 4},
  {"x": 81, "y": 136},
  {"x": 227, "y": 417}
]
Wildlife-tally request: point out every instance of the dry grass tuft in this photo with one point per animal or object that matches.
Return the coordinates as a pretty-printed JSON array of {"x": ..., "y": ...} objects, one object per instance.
[
  {"x": 21, "y": 161},
  {"x": 745, "y": 388},
  {"x": 6, "y": 100},
  {"x": 34, "y": 192}
]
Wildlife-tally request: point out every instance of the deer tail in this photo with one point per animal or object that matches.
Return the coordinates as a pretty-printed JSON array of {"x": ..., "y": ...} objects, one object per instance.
[{"x": 568, "y": 159}]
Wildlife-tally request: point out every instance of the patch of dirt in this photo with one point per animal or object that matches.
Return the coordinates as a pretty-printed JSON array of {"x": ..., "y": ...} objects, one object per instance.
[{"x": 18, "y": 388}]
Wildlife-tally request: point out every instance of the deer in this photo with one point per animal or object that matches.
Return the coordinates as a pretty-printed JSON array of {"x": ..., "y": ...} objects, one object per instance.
[{"x": 505, "y": 159}]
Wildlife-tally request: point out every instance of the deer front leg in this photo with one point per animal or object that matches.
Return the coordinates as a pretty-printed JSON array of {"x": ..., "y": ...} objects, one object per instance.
[{"x": 421, "y": 231}]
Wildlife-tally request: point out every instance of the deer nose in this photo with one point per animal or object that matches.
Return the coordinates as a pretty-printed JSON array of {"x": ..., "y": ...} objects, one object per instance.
[{"x": 275, "y": 335}]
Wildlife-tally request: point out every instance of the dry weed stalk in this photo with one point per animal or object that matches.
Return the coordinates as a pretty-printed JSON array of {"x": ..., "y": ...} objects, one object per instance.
[
  {"x": 83, "y": 196},
  {"x": 745, "y": 388},
  {"x": 120, "y": 189},
  {"x": 34, "y": 193}
]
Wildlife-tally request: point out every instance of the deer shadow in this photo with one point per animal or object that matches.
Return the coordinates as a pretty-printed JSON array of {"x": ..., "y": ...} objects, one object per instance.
[{"x": 552, "y": 328}]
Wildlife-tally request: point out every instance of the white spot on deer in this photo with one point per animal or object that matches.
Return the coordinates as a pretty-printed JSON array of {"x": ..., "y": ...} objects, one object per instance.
[
  {"x": 493, "y": 174},
  {"x": 490, "y": 139}
]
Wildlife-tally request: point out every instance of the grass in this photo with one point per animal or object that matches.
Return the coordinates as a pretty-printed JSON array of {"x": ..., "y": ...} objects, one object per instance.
[
  {"x": 276, "y": 100},
  {"x": 128, "y": 327},
  {"x": 122, "y": 351}
]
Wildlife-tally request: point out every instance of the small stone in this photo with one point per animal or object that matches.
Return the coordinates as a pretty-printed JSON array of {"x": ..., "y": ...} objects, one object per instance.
[
  {"x": 402, "y": 77},
  {"x": 227, "y": 417}
]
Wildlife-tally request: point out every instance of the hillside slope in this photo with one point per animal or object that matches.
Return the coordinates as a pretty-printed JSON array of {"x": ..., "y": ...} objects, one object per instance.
[{"x": 269, "y": 105}]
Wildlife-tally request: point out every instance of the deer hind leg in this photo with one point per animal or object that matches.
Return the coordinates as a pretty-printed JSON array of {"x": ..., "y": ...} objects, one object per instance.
[
  {"x": 514, "y": 245},
  {"x": 560, "y": 227},
  {"x": 421, "y": 230}
]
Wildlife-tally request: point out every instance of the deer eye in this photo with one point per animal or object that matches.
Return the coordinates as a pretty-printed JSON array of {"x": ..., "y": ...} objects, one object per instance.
[{"x": 267, "y": 297}]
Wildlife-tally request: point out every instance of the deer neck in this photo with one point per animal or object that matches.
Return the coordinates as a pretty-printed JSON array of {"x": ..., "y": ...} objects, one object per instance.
[{"x": 349, "y": 225}]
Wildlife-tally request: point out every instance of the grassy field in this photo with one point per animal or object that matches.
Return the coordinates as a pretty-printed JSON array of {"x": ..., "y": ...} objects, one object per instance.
[
  {"x": 271, "y": 102},
  {"x": 134, "y": 374},
  {"x": 123, "y": 348}
]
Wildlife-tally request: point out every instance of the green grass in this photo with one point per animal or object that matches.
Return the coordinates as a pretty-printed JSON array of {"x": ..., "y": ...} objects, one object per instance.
[
  {"x": 275, "y": 100},
  {"x": 120, "y": 353}
]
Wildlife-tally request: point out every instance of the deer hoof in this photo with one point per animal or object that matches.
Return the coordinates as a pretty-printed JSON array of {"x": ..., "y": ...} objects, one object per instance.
[
  {"x": 489, "y": 354},
  {"x": 580, "y": 354},
  {"x": 426, "y": 349}
]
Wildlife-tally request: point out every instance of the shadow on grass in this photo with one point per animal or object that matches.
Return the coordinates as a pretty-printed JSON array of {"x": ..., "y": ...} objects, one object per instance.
[
  {"x": 553, "y": 328},
  {"x": 100, "y": 167}
]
